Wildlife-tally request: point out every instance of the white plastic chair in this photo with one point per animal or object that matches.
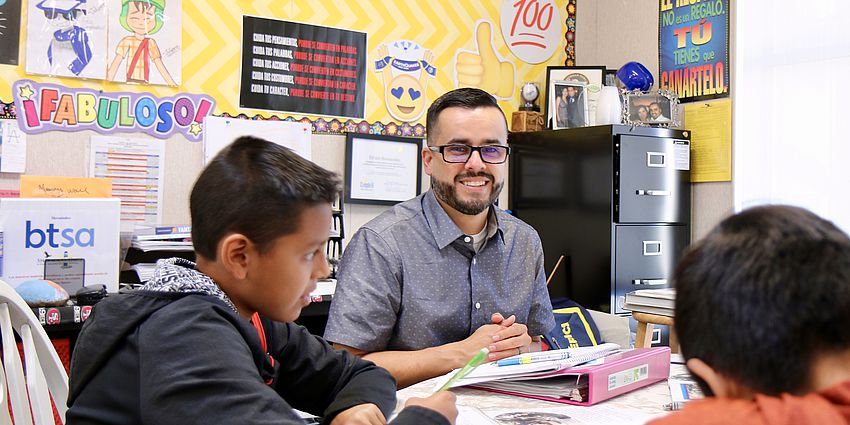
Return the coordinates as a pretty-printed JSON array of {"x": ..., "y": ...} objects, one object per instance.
[{"x": 44, "y": 374}]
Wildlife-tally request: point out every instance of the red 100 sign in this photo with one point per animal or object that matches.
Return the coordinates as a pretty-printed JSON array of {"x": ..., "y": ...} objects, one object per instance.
[{"x": 531, "y": 28}]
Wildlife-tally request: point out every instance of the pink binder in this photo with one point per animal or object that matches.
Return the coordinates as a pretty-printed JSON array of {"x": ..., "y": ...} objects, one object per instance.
[{"x": 610, "y": 376}]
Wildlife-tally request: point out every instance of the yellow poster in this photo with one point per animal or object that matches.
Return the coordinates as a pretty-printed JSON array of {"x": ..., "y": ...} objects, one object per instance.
[
  {"x": 711, "y": 140},
  {"x": 65, "y": 187}
]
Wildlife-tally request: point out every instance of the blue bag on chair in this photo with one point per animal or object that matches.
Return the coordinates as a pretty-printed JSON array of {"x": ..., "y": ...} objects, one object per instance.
[{"x": 573, "y": 326}]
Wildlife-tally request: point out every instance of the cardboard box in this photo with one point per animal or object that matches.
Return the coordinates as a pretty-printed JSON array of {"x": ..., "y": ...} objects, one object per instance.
[{"x": 526, "y": 121}]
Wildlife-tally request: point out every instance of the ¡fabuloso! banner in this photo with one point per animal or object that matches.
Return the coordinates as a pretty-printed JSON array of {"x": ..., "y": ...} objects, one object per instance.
[
  {"x": 46, "y": 107},
  {"x": 693, "y": 48}
]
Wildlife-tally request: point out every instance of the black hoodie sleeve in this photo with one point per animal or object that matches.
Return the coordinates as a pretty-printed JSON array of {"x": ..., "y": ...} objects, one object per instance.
[
  {"x": 201, "y": 364},
  {"x": 196, "y": 366},
  {"x": 316, "y": 378}
]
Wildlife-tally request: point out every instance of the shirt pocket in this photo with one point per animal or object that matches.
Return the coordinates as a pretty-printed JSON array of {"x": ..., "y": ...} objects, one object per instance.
[{"x": 433, "y": 281}]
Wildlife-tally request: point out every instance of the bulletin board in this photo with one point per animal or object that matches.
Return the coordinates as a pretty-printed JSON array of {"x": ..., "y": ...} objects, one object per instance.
[
  {"x": 433, "y": 36},
  {"x": 212, "y": 33}
]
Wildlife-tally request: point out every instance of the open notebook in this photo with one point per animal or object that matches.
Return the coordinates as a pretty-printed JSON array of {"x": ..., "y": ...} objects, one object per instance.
[
  {"x": 491, "y": 371},
  {"x": 611, "y": 373}
]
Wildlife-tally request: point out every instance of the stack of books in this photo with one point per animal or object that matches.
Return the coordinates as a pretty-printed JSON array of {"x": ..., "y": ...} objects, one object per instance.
[
  {"x": 653, "y": 301},
  {"x": 151, "y": 243},
  {"x": 162, "y": 238}
]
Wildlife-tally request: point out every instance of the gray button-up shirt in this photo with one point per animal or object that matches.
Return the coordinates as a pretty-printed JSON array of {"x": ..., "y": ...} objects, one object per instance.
[{"x": 408, "y": 280}]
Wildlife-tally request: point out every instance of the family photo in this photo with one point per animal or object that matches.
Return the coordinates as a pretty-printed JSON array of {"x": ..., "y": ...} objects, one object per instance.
[
  {"x": 569, "y": 105},
  {"x": 649, "y": 109}
]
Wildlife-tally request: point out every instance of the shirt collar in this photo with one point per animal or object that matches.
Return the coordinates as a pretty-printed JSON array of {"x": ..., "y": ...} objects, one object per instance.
[{"x": 445, "y": 230}]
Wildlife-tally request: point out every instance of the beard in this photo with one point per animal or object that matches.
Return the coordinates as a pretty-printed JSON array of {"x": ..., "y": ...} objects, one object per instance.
[{"x": 446, "y": 193}]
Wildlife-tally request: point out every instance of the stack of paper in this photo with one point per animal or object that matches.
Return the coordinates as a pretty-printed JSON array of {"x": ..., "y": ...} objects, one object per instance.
[
  {"x": 144, "y": 271},
  {"x": 683, "y": 386},
  {"x": 572, "y": 357},
  {"x": 162, "y": 238},
  {"x": 613, "y": 373},
  {"x": 653, "y": 301}
]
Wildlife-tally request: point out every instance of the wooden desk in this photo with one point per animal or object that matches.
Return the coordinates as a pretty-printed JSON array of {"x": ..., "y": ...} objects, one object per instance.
[{"x": 635, "y": 407}]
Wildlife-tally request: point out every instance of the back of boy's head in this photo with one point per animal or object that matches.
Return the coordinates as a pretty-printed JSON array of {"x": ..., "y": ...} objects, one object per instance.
[
  {"x": 258, "y": 189},
  {"x": 763, "y": 294}
]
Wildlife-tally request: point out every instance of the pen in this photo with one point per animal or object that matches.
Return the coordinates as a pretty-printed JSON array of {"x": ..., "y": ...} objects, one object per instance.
[
  {"x": 536, "y": 357},
  {"x": 469, "y": 367},
  {"x": 676, "y": 405}
]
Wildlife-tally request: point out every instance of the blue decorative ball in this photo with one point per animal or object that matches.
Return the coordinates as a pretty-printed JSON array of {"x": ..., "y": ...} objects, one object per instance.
[
  {"x": 42, "y": 293},
  {"x": 633, "y": 75}
]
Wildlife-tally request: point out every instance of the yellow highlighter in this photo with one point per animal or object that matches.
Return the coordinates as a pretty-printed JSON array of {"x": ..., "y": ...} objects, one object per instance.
[{"x": 469, "y": 367}]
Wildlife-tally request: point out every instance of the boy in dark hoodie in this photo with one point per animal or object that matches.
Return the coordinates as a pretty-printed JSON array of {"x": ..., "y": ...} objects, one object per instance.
[
  {"x": 763, "y": 317},
  {"x": 184, "y": 350}
]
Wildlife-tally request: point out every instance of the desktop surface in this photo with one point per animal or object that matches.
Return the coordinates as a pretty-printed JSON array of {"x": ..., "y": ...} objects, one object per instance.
[{"x": 636, "y": 407}]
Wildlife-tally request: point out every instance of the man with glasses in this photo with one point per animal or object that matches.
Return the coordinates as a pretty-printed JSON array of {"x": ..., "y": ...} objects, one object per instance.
[{"x": 432, "y": 280}]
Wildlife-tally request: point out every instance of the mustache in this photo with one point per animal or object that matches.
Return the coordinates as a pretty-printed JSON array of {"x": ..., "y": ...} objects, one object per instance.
[{"x": 469, "y": 174}]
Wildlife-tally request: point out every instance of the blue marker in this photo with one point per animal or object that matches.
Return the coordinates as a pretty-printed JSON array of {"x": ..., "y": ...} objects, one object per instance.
[{"x": 543, "y": 356}]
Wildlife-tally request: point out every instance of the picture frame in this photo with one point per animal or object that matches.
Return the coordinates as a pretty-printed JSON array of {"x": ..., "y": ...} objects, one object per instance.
[
  {"x": 610, "y": 78},
  {"x": 591, "y": 76},
  {"x": 382, "y": 169},
  {"x": 568, "y": 104},
  {"x": 654, "y": 108}
]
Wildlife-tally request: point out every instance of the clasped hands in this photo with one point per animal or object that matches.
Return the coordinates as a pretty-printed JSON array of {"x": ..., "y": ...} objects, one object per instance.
[{"x": 504, "y": 337}]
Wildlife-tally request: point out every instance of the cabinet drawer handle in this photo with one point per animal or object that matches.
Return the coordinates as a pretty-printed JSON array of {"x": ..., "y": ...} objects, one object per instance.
[
  {"x": 652, "y": 192},
  {"x": 655, "y": 159},
  {"x": 649, "y": 282},
  {"x": 652, "y": 248}
]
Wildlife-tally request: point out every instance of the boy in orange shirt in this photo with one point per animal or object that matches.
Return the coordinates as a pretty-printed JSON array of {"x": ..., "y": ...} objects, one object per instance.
[{"x": 763, "y": 318}]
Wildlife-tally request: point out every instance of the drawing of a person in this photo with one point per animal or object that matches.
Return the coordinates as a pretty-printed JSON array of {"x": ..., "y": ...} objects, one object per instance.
[
  {"x": 69, "y": 47},
  {"x": 142, "y": 18}
]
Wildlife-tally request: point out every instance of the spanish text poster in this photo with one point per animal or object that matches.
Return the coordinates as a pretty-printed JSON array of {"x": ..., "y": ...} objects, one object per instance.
[
  {"x": 300, "y": 68},
  {"x": 693, "y": 48},
  {"x": 10, "y": 30},
  {"x": 711, "y": 140},
  {"x": 136, "y": 167}
]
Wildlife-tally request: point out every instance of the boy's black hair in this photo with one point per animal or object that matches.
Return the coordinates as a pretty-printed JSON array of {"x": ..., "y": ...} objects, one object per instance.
[
  {"x": 467, "y": 98},
  {"x": 763, "y": 294},
  {"x": 256, "y": 188}
]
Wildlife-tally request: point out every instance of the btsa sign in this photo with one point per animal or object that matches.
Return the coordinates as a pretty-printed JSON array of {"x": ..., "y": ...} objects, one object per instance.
[{"x": 55, "y": 237}]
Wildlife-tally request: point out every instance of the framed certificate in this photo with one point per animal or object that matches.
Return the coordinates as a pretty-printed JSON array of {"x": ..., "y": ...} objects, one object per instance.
[{"x": 382, "y": 170}]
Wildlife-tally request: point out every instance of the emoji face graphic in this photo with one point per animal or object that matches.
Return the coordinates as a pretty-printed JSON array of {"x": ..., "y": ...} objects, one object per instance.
[
  {"x": 405, "y": 98},
  {"x": 405, "y": 68}
]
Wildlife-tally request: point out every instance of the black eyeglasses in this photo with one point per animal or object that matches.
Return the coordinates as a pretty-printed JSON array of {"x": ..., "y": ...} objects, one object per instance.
[
  {"x": 68, "y": 15},
  {"x": 491, "y": 154}
]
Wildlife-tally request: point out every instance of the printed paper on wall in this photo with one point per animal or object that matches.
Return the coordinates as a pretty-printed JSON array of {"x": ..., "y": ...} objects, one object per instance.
[
  {"x": 66, "y": 38},
  {"x": 145, "y": 42}
]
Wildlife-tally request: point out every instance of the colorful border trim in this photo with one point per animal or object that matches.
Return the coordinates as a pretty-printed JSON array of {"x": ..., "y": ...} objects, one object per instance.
[
  {"x": 7, "y": 110},
  {"x": 335, "y": 126},
  {"x": 319, "y": 125},
  {"x": 570, "y": 35}
]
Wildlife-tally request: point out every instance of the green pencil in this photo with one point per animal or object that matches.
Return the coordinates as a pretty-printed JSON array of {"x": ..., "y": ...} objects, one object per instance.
[{"x": 469, "y": 367}]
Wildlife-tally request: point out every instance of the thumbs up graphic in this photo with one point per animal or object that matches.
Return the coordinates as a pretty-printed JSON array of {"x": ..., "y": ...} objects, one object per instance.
[{"x": 484, "y": 69}]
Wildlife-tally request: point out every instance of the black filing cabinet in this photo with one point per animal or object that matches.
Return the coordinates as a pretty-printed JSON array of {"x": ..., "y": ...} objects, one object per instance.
[{"x": 614, "y": 200}]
